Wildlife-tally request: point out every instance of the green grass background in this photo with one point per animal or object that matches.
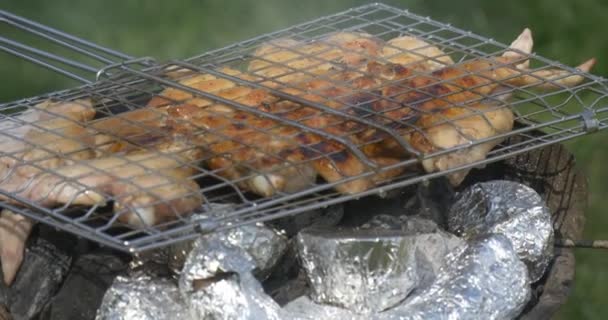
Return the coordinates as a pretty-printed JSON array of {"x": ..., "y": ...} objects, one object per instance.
[{"x": 566, "y": 30}]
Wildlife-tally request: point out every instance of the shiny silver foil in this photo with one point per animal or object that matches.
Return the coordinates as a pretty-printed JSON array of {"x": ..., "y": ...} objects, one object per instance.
[
  {"x": 508, "y": 208},
  {"x": 234, "y": 297},
  {"x": 251, "y": 248},
  {"x": 303, "y": 308},
  {"x": 486, "y": 280},
  {"x": 217, "y": 281},
  {"x": 483, "y": 280},
  {"x": 142, "y": 298},
  {"x": 370, "y": 270},
  {"x": 177, "y": 253}
]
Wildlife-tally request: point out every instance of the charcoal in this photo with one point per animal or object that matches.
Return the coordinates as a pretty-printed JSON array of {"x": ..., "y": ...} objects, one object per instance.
[
  {"x": 40, "y": 276},
  {"x": 89, "y": 278},
  {"x": 357, "y": 212},
  {"x": 3, "y": 291},
  {"x": 410, "y": 224},
  {"x": 287, "y": 280},
  {"x": 321, "y": 217},
  {"x": 431, "y": 200},
  {"x": 177, "y": 254}
]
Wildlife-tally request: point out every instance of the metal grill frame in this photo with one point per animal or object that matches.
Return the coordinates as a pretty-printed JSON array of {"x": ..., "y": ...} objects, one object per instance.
[{"x": 119, "y": 81}]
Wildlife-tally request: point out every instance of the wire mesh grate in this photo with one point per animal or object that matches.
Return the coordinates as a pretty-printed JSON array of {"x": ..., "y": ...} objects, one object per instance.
[{"x": 345, "y": 106}]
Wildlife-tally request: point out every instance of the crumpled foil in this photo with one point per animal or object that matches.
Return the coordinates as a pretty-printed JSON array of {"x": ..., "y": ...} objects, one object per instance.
[
  {"x": 365, "y": 273},
  {"x": 265, "y": 245},
  {"x": 142, "y": 298},
  {"x": 370, "y": 270},
  {"x": 303, "y": 308},
  {"x": 177, "y": 253},
  {"x": 251, "y": 248},
  {"x": 233, "y": 297},
  {"x": 486, "y": 280},
  {"x": 218, "y": 282},
  {"x": 508, "y": 208}
]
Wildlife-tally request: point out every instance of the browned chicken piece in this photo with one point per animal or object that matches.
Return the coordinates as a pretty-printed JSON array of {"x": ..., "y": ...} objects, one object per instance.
[
  {"x": 52, "y": 164},
  {"x": 147, "y": 187},
  {"x": 259, "y": 152},
  {"x": 49, "y": 126},
  {"x": 448, "y": 126},
  {"x": 287, "y": 61},
  {"x": 14, "y": 231},
  {"x": 47, "y": 136},
  {"x": 407, "y": 51},
  {"x": 50, "y": 142},
  {"x": 259, "y": 168}
]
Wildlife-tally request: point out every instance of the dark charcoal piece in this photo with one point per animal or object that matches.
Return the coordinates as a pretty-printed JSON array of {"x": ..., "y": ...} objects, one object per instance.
[
  {"x": 44, "y": 268},
  {"x": 287, "y": 281},
  {"x": 326, "y": 217},
  {"x": 291, "y": 290},
  {"x": 360, "y": 211},
  {"x": 3, "y": 291},
  {"x": 82, "y": 291}
]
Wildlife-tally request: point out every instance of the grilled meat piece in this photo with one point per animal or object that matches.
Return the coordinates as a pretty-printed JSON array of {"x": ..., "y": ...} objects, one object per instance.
[
  {"x": 286, "y": 61},
  {"x": 14, "y": 231},
  {"x": 430, "y": 107},
  {"x": 50, "y": 162},
  {"x": 147, "y": 187},
  {"x": 48, "y": 135},
  {"x": 448, "y": 105}
]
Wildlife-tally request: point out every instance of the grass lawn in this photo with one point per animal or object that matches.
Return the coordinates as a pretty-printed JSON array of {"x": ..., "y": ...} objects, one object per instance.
[{"x": 568, "y": 31}]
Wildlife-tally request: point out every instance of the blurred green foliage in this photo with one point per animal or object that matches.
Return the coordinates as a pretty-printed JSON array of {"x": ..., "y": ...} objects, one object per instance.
[{"x": 566, "y": 30}]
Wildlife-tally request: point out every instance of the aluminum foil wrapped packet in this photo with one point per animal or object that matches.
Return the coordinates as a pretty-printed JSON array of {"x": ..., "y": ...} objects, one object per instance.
[
  {"x": 370, "y": 270},
  {"x": 233, "y": 297},
  {"x": 251, "y": 248},
  {"x": 142, "y": 298},
  {"x": 265, "y": 244},
  {"x": 508, "y": 208},
  {"x": 303, "y": 308},
  {"x": 486, "y": 280},
  {"x": 217, "y": 281}
]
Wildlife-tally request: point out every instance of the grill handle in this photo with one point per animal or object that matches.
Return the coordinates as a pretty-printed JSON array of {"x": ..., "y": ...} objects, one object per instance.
[{"x": 82, "y": 60}]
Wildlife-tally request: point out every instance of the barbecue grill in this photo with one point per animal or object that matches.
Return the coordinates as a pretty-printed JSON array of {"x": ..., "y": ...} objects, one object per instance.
[{"x": 119, "y": 83}]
